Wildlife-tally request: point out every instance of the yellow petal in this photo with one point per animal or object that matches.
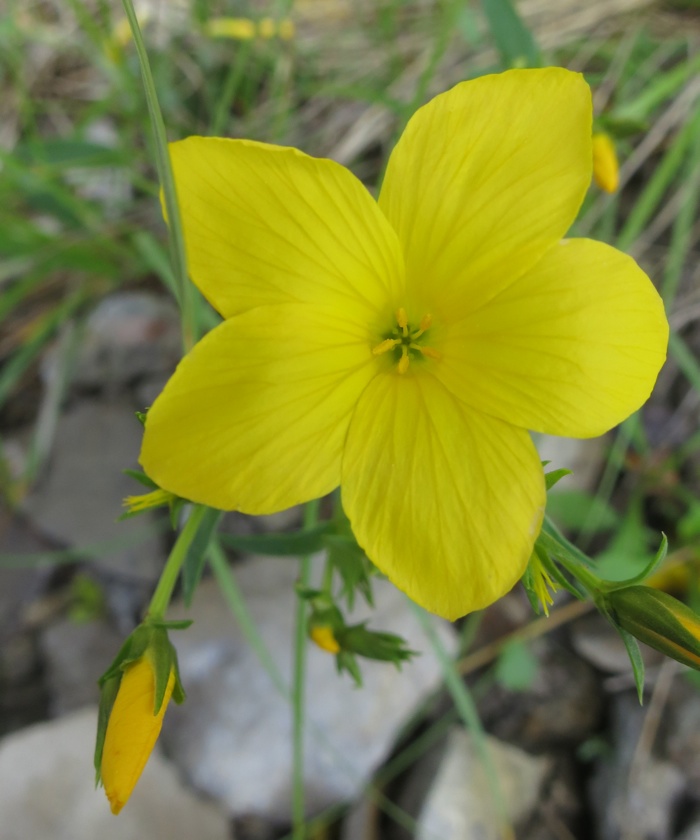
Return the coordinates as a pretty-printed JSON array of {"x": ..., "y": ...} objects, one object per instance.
[
  {"x": 266, "y": 224},
  {"x": 254, "y": 418},
  {"x": 572, "y": 348},
  {"x": 132, "y": 731},
  {"x": 485, "y": 178},
  {"x": 446, "y": 501}
]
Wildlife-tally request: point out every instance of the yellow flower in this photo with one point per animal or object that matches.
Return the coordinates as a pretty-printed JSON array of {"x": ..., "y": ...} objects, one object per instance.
[
  {"x": 132, "y": 730},
  {"x": 605, "y": 167},
  {"x": 402, "y": 348},
  {"x": 245, "y": 29}
]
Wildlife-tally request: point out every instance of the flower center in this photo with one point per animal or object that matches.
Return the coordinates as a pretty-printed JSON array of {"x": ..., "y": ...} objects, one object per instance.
[{"x": 405, "y": 341}]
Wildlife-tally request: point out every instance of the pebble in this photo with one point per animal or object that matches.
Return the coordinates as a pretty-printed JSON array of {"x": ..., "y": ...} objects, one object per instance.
[
  {"x": 47, "y": 791},
  {"x": 633, "y": 796},
  {"x": 461, "y": 803}
]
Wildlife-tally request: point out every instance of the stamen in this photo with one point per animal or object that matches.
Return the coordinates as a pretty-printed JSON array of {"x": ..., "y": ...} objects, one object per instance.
[
  {"x": 402, "y": 320},
  {"x": 385, "y": 346},
  {"x": 404, "y": 360},
  {"x": 426, "y": 351},
  {"x": 426, "y": 322}
]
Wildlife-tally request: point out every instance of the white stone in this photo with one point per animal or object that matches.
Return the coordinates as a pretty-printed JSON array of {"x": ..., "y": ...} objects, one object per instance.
[
  {"x": 233, "y": 735},
  {"x": 461, "y": 805},
  {"x": 47, "y": 791}
]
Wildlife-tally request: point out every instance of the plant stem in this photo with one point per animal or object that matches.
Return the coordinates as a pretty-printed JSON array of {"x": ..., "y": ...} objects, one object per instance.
[
  {"x": 469, "y": 714},
  {"x": 236, "y": 602},
  {"x": 298, "y": 696},
  {"x": 168, "y": 579},
  {"x": 167, "y": 182}
]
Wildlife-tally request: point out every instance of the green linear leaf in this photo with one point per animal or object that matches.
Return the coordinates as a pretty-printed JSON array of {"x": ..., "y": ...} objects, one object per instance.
[
  {"x": 281, "y": 545},
  {"x": 513, "y": 39}
]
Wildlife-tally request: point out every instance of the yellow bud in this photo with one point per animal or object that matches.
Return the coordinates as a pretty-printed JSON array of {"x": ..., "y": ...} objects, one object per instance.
[
  {"x": 606, "y": 171},
  {"x": 132, "y": 730},
  {"x": 322, "y": 634},
  {"x": 156, "y": 498},
  {"x": 658, "y": 620}
]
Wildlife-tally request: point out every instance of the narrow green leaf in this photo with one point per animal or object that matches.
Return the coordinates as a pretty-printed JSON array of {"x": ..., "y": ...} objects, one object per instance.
[
  {"x": 167, "y": 181},
  {"x": 281, "y": 545},
  {"x": 555, "y": 476},
  {"x": 636, "y": 661},
  {"x": 514, "y": 40},
  {"x": 142, "y": 478},
  {"x": 654, "y": 564}
]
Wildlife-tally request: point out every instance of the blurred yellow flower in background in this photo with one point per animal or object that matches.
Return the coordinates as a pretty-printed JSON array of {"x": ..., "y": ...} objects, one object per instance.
[
  {"x": 246, "y": 29},
  {"x": 402, "y": 348}
]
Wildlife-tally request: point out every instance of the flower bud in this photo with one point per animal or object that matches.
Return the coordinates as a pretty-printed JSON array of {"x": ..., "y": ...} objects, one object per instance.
[
  {"x": 658, "y": 620},
  {"x": 605, "y": 166},
  {"x": 136, "y": 690},
  {"x": 132, "y": 731},
  {"x": 322, "y": 635}
]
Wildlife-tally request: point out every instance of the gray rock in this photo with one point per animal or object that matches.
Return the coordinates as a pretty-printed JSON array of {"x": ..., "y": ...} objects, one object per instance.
[
  {"x": 692, "y": 832},
  {"x": 79, "y": 501},
  {"x": 460, "y": 804},
  {"x": 75, "y": 656},
  {"x": 583, "y": 457},
  {"x": 595, "y": 640},
  {"x": 233, "y": 736},
  {"x": 128, "y": 336},
  {"x": 562, "y": 707},
  {"x": 21, "y": 585},
  {"x": 682, "y": 731},
  {"x": 633, "y": 798},
  {"x": 47, "y": 791}
]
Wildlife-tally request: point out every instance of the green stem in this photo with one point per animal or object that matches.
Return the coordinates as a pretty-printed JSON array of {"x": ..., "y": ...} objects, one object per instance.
[
  {"x": 562, "y": 553},
  {"x": 167, "y": 181},
  {"x": 300, "y": 641},
  {"x": 168, "y": 579},
  {"x": 234, "y": 598},
  {"x": 327, "y": 583},
  {"x": 467, "y": 710}
]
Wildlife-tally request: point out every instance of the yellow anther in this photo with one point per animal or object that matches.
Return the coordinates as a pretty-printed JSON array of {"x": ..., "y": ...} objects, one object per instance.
[
  {"x": 426, "y": 351},
  {"x": 404, "y": 360},
  {"x": 402, "y": 320},
  {"x": 426, "y": 322},
  {"x": 385, "y": 346}
]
